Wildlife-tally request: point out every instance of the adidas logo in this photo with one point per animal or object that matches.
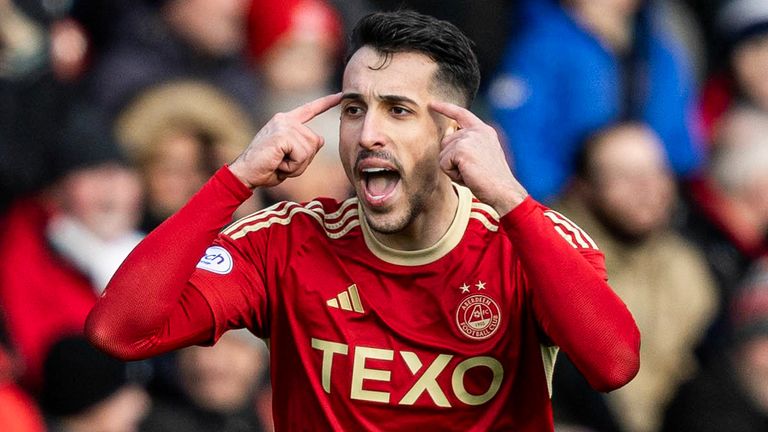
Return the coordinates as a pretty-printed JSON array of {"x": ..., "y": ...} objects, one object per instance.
[{"x": 347, "y": 300}]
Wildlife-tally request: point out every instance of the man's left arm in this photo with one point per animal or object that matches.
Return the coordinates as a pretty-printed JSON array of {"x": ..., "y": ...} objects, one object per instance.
[
  {"x": 573, "y": 303},
  {"x": 567, "y": 285}
]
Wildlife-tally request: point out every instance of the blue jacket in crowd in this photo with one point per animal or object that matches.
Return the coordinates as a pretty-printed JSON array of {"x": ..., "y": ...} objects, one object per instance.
[{"x": 557, "y": 84}]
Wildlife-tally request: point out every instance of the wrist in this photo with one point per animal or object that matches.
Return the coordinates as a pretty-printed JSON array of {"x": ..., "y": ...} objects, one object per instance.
[
  {"x": 509, "y": 199},
  {"x": 237, "y": 170},
  {"x": 227, "y": 177}
]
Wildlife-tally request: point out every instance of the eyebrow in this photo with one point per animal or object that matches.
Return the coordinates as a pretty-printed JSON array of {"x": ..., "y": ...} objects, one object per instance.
[{"x": 385, "y": 98}]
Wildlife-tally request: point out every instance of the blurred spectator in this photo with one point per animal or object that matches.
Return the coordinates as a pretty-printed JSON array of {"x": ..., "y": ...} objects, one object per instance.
[
  {"x": 178, "y": 134},
  {"x": 85, "y": 390},
  {"x": 67, "y": 241},
  {"x": 577, "y": 65},
  {"x": 176, "y": 39},
  {"x": 623, "y": 195},
  {"x": 221, "y": 388},
  {"x": 732, "y": 393},
  {"x": 297, "y": 46},
  {"x": 18, "y": 411},
  {"x": 725, "y": 212},
  {"x": 743, "y": 29},
  {"x": 727, "y": 209},
  {"x": 32, "y": 103}
]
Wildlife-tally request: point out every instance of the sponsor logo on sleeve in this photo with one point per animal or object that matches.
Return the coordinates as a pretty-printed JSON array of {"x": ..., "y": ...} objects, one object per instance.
[{"x": 216, "y": 260}]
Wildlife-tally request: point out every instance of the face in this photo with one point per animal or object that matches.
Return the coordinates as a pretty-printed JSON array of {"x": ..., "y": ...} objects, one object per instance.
[
  {"x": 389, "y": 140},
  {"x": 750, "y": 62},
  {"x": 174, "y": 173},
  {"x": 297, "y": 64},
  {"x": 224, "y": 377},
  {"x": 105, "y": 198},
  {"x": 631, "y": 184}
]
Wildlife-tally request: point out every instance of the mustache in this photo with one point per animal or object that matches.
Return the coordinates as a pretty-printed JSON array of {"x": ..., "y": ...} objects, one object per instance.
[{"x": 377, "y": 154}]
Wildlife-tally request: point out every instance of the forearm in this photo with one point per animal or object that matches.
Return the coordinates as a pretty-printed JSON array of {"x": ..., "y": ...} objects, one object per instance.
[
  {"x": 574, "y": 305},
  {"x": 148, "y": 306}
]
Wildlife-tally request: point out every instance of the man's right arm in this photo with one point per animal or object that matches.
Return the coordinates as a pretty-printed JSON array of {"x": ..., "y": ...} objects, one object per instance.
[{"x": 149, "y": 307}]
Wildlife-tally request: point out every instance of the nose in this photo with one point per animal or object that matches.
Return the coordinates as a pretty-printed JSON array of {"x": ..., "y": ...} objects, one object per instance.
[{"x": 372, "y": 134}]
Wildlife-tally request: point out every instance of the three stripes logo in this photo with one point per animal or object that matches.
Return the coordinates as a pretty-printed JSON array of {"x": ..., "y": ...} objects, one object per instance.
[{"x": 348, "y": 300}]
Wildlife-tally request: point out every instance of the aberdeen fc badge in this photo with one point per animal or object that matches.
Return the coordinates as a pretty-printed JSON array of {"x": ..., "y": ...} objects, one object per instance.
[{"x": 478, "y": 316}]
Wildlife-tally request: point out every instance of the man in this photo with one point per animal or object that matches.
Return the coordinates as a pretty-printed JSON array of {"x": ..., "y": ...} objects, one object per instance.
[
  {"x": 623, "y": 194},
  {"x": 411, "y": 305},
  {"x": 221, "y": 388},
  {"x": 68, "y": 239}
]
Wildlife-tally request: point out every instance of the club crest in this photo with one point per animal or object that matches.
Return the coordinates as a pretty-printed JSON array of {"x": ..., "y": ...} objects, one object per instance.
[{"x": 478, "y": 316}]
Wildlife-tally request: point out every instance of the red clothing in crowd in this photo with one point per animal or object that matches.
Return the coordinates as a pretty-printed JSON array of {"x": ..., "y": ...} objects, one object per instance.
[
  {"x": 18, "y": 411},
  {"x": 41, "y": 295}
]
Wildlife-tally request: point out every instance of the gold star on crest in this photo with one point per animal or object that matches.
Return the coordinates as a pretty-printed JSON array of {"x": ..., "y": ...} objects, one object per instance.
[{"x": 480, "y": 285}]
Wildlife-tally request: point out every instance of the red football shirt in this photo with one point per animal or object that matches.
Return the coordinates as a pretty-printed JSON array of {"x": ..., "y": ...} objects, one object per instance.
[
  {"x": 458, "y": 336},
  {"x": 365, "y": 337}
]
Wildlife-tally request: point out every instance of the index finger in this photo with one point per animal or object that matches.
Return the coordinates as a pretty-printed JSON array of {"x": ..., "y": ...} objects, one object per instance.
[
  {"x": 463, "y": 116},
  {"x": 310, "y": 110}
]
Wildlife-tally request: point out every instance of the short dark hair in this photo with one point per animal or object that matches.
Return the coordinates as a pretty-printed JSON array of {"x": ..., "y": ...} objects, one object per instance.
[
  {"x": 592, "y": 141},
  {"x": 409, "y": 31}
]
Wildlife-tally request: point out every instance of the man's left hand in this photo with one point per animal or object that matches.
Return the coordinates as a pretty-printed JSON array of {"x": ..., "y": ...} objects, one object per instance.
[{"x": 473, "y": 156}]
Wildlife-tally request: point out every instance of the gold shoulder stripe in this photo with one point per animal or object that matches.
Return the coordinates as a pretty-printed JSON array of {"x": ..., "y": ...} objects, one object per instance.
[
  {"x": 483, "y": 218},
  {"x": 280, "y": 208},
  {"x": 336, "y": 225},
  {"x": 349, "y": 203},
  {"x": 577, "y": 234},
  {"x": 486, "y": 208},
  {"x": 317, "y": 213},
  {"x": 273, "y": 210}
]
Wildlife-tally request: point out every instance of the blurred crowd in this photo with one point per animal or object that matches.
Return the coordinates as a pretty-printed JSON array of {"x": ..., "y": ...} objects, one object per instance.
[{"x": 644, "y": 121}]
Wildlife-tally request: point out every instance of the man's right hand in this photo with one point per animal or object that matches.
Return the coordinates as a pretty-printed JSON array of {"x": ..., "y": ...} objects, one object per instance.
[{"x": 284, "y": 147}]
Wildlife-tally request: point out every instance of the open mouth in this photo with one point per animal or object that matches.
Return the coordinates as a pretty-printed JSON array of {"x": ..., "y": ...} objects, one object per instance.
[{"x": 379, "y": 183}]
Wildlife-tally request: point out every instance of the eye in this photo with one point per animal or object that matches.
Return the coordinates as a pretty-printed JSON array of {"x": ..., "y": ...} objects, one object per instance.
[
  {"x": 399, "y": 110},
  {"x": 352, "y": 110}
]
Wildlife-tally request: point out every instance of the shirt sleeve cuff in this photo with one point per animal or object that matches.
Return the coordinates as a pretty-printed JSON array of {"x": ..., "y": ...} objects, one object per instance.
[
  {"x": 233, "y": 184},
  {"x": 517, "y": 216}
]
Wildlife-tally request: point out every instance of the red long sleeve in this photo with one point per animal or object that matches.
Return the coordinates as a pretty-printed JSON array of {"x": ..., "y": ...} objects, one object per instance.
[
  {"x": 574, "y": 305},
  {"x": 149, "y": 307}
]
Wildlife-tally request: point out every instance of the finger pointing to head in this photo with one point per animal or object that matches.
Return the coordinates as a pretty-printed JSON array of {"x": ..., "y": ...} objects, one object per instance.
[
  {"x": 463, "y": 116},
  {"x": 310, "y": 110}
]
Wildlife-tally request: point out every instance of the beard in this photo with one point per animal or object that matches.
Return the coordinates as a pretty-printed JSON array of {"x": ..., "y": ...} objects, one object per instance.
[
  {"x": 415, "y": 206},
  {"x": 417, "y": 189}
]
